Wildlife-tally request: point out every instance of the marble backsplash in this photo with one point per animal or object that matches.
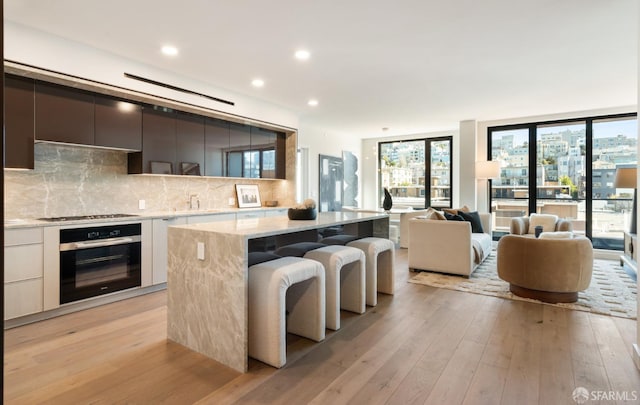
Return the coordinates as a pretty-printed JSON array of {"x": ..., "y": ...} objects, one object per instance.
[{"x": 70, "y": 180}]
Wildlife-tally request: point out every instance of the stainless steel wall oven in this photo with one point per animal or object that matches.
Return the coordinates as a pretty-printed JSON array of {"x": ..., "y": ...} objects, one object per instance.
[{"x": 99, "y": 260}]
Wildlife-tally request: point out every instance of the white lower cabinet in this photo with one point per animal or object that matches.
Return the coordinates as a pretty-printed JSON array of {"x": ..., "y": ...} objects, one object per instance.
[
  {"x": 23, "y": 276},
  {"x": 23, "y": 298},
  {"x": 160, "y": 256},
  {"x": 250, "y": 214},
  {"x": 201, "y": 219},
  {"x": 275, "y": 212}
]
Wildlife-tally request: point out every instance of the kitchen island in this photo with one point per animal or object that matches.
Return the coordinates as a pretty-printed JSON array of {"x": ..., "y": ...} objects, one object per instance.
[{"x": 207, "y": 285}]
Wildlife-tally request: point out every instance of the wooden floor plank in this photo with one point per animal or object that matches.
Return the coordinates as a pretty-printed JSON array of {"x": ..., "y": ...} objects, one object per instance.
[
  {"x": 522, "y": 385},
  {"x": 623, "y": 376},
  {"x": 421, "y": 345}
]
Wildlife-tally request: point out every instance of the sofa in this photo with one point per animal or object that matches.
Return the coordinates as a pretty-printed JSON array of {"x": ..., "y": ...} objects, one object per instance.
[
  {"x": 549, "y": 222},
  {"x": 552, "y": 268},
  {"x": 448, "y": 246},
  {"x": 404, "y": 225}
]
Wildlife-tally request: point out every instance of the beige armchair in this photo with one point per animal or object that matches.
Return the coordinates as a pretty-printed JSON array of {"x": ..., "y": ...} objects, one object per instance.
[
  {"x": 549, "y": 270},
  {"x": 525, "y": 225},
  {"x": 448, "y": 246}
]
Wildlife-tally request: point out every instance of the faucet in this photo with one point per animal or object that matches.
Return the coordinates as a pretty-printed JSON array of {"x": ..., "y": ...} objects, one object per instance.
[{"x": 190, "y": 202}]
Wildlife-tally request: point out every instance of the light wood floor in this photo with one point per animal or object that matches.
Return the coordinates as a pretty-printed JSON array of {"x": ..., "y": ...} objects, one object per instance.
[{"x": 422, "y": 346}]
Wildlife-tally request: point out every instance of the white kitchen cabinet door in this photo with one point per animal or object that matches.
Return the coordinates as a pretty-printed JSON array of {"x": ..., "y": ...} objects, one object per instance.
[
  {"x": 23, "y": 262},
  {"x": 23, "y": 298},
  {"x": 250, "y": 214},
  {"x": 200, "y": 219},
  {"x": 160, "y": 257},
  {"x": 275, "y": 212}
]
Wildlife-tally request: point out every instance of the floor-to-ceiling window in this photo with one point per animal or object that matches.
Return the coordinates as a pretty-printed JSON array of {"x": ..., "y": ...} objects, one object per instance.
[
  {"x": 569, "y": 173},
  {"x": 417, "y": 173}
]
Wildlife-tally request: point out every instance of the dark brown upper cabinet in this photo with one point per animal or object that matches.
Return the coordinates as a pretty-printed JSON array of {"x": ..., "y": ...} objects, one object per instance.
[
  {"x": 18, "y": 120},
  {"x": 216, "y": 145},
  {"x": 164, "y": 141},
  {"x": 158, "y": 154},
  {"x": 190, "y": 144},
  {"x": 118, "y": 123},
  {"x": 263, "y": 146},
  {"x": 239, "y": 153},
  {"x": 63, "y": 114}
]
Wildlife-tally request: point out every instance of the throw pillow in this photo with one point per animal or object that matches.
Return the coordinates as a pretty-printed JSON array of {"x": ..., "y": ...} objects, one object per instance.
[
  {"x": 452, "y": 217},
  {"x": 454, "y": 211},
  {"x": 547, "y": 221},
  {"x": 556, "y": 235},
  {"x": 474, "y": 218},
  {"x": 434, "y": 214}
]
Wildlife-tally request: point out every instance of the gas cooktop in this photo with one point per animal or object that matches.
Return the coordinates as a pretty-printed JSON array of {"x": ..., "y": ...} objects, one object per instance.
[{"x": 85, "y": 217}]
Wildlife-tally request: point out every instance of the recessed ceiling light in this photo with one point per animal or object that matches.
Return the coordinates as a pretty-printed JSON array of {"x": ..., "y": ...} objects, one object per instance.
[
  {"x": 169, "y": 50},
  {"x": 257, "y": 82},
  {"x": 302, "y": 54},
  {"x": 313, "y": 102}
]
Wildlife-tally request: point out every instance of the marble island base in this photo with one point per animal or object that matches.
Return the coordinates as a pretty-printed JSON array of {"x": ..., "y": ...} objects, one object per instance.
[{"x": 207, "y": 280}]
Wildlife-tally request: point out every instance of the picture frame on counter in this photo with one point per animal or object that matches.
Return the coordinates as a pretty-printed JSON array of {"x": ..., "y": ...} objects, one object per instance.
[{"x": 248, "y": 196}]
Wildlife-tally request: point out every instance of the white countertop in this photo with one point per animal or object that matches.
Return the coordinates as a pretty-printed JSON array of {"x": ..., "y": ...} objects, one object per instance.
[
  {"x": 11, "y": 223},
  {"x": 269, "y": 226}
]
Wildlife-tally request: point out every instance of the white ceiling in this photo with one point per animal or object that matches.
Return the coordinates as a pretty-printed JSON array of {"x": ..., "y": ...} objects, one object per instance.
[{"x": 413, "y": 66}]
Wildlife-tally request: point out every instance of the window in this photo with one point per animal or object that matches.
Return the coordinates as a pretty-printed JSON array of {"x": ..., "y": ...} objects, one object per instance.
[
  {"x": 575, "y": 164},
  {"x": 417, "y": 173}
]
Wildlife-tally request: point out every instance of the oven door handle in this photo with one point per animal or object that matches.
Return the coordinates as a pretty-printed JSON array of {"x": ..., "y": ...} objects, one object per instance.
[{"x": 99, "y": 243}]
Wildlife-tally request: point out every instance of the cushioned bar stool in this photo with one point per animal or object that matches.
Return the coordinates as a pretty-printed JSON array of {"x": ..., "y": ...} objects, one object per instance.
[
  {"x": 338, "y": 239},
  {"x": 287, "y": 285},
  {"x": 298, "y": 249},
  {"x": 380, "y": 255},
  {"x": 345, "y": 276}
]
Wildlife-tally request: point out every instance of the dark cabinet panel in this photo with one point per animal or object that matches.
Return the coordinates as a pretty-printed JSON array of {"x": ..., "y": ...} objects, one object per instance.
[
  {"x": 64, "y": 114},
  {"x": 190, "y": 144},
  {"x": 18, "y": 121},
  {"x": 216, "y": 145},
  {"x": 263, "y": 141},
  {"x": 281, "y": 153},
  {"x": 239, "y": 155},
  {"x": 118, "y": 123},
  {"x": 158, "y": 141}
]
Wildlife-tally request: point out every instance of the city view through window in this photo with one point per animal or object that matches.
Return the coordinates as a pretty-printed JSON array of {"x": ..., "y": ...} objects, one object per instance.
[
  {"x": 404, "y": 169},
  {"x": 562, "y": 185}
]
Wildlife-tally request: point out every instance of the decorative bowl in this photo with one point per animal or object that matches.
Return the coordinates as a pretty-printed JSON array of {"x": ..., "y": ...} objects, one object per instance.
[{"x": 302, "y": 214}]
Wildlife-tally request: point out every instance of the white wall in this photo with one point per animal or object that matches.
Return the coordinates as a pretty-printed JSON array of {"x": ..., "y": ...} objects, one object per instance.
[
  {"x": 370, "y": 192},
  {"x": 32, "y": 47},
  {"x": 320, "y": 142}
]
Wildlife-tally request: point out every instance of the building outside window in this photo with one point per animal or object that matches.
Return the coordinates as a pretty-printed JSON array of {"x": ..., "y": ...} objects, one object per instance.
[{"x": 575, "y": 164}]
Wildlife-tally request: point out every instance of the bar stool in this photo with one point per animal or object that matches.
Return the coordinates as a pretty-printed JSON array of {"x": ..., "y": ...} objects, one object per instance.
[
  {"x": 338, "y": 239},
  {"x": 380, "y": 258},
  {"x": 286, "y": 285},
  {"x": 345, "y": 276},
  {"x": 298, "y": 249}
]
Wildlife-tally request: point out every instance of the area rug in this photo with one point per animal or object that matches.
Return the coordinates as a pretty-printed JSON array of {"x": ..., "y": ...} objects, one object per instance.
[{"x": 611, "y": 292}]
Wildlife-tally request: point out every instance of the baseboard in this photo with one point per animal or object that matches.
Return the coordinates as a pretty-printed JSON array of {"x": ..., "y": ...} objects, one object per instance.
[
  {"x": 81, "y": 305},
  {"x": 636, "y": 355}
]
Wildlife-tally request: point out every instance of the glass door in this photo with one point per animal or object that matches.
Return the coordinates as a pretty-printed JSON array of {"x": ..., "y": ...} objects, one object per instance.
[
  {"x": 510, "y": 192},
  {"x": 561, "y": 172},
  {"x": 614, "y": 146}
]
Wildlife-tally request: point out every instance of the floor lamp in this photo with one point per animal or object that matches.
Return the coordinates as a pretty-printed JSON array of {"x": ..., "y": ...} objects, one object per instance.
[
  {"x": 488, "y": 170},
  {"x": 627, "y": 177}
]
